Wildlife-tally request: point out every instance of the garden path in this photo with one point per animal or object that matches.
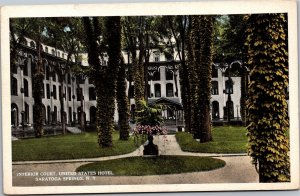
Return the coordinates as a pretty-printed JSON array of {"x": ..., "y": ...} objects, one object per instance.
[{"x": 238, "y": 169}]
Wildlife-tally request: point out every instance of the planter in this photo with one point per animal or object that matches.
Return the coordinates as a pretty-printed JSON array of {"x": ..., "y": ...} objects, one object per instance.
[{"x": 150, "y": 148}]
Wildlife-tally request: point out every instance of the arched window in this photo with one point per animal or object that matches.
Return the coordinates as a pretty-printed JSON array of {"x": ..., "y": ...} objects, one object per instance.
[
  {"x": 14, "y": 86},
  {"x": 26, "y": 117},
  {"x": 92, "y": 94},
  {"x": 70, "y": 114},
  {"x": 214, "y": 88},
  {"x": 58, "y": 53},
  {"x": 169, "y": 75},
  {"x": 131, "y": 92},
  {"x": 14, "y": 115},
  {"x": 48, "y": 114},
  {"x": 26, "y": 94},
  {"x": 46, "y": 49},
  {"x": 169, "y": 90},
  {"x": 215, "y": 110},
  {"x": 54, "y": 117},
  {"x": 54, "y": 92},
  {"x": 32, "y": 44},
  {"x": 229, "y": 86},
  {"x": 93, "y": 111},
  {"x": 53, "y": 52},
  {"x": 156, "y": 75},
  {"x": 157, "y": 90}
]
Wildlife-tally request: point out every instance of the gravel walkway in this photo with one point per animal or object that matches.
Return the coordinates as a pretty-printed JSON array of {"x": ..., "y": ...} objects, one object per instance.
[{"x": 238, "y": 169}]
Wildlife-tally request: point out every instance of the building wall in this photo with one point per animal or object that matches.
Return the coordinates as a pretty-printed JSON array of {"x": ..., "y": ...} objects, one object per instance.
[{"x": 51, "y": 102}]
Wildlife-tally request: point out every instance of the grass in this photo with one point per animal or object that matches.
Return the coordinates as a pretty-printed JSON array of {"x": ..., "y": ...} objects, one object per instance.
[
  {"x": 225, "y": 140},
  {"x": 158, "y": 165},
  {"x": 68, "y": 147}
]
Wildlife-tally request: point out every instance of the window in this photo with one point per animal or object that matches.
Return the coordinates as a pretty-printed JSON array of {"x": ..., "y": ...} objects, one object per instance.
[
  {"x": 25, "y": 69},
  {"x": 81, "y": 80},
  {"x": 46, "y": 49},
  {"x": 92, "y": 93},
  {"x": 214, "y": 73},
  {"x": 14, "y": 86},
  {"x": 32, "y": 44},
  {"x": 169, "y": 89},
  {"x": 156, "y": 56},
  {"x": 69, "y": 78},
  {"x": 14, "y": 68},
  {"x": 48, "y": 114},
  {"x": 229, "y": 86},
  {"x": 54, "y": 76},
  {"x": 58, "y": 54},
  {"x": 156, "y": 75},
  {"x": 215, "y": 110},
  {"x": 63, "y": 55},
  {"x": 59, "y": 92},
  {"x": 131, "y": 92},
  {"x": 157, "y": 90},
  {"x": 53, "y": 52},
  {"x": 32, "y": 65},
  {"x": 214, "y": 88},
  {"x": 169, "y": 75},
  {"x": 54, "y": 92},
  {"x": 93, "y": 114},
  {"x": 54, "y": 118},
  {"x": 48, "y": 91},
  {"x": 47, "y": 72},
  {"x": 69, "y": 93},
  {"x": 43, "y": 90},
  {"x": 25, "y": 88},
  {"x": 26, "y": 117},
  {"x": 79, "y": 94}
]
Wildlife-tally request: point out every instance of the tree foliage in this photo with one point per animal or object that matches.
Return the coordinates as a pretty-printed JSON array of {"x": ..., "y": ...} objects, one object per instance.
[{"x": 268, "y": 110}]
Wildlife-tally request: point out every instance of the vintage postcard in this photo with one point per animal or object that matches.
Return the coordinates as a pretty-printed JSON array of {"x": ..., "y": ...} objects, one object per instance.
[{"x": 150, "y": 97}]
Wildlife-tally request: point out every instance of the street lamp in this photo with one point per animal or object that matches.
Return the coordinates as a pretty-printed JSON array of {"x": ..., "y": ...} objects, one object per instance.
[{"x": 223, "y": 67}]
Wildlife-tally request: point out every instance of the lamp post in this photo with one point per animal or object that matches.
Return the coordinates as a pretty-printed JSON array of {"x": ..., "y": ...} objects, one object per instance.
[{"x": 223, "y": 67}]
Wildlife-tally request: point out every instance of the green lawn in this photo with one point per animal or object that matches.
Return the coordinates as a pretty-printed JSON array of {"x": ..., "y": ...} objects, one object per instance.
[
  {"x": 158, "y": 165},
  {"x": 68, "y": 147},
  {"x": 225, "y": 140}
]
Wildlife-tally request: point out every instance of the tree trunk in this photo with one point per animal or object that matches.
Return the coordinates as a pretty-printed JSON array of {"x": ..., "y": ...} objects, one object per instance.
[
  {"x": 123, "y": 105},
  {"x": 267, "y": 45},
  {"x": 37, "y": 88}
]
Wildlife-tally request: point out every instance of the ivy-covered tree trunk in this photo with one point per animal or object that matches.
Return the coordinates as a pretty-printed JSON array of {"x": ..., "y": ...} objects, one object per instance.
[
  {"x": 193, "y": 46},
  {"x": 37, "y": 91},
  {"x": 123, "y": 104},
  {"x": 268, "y": 110},
  {"x": 204, "y": 76},
  {"x": 200, "y": 75},
  {"x": 104, "y": 77}
]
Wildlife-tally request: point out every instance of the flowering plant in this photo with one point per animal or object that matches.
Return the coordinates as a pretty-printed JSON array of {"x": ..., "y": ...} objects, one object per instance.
[{"x": 149, "y": 130}]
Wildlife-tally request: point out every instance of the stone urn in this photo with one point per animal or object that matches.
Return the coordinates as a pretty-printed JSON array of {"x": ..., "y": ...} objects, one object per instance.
[{"x": 150, "y": 148}]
